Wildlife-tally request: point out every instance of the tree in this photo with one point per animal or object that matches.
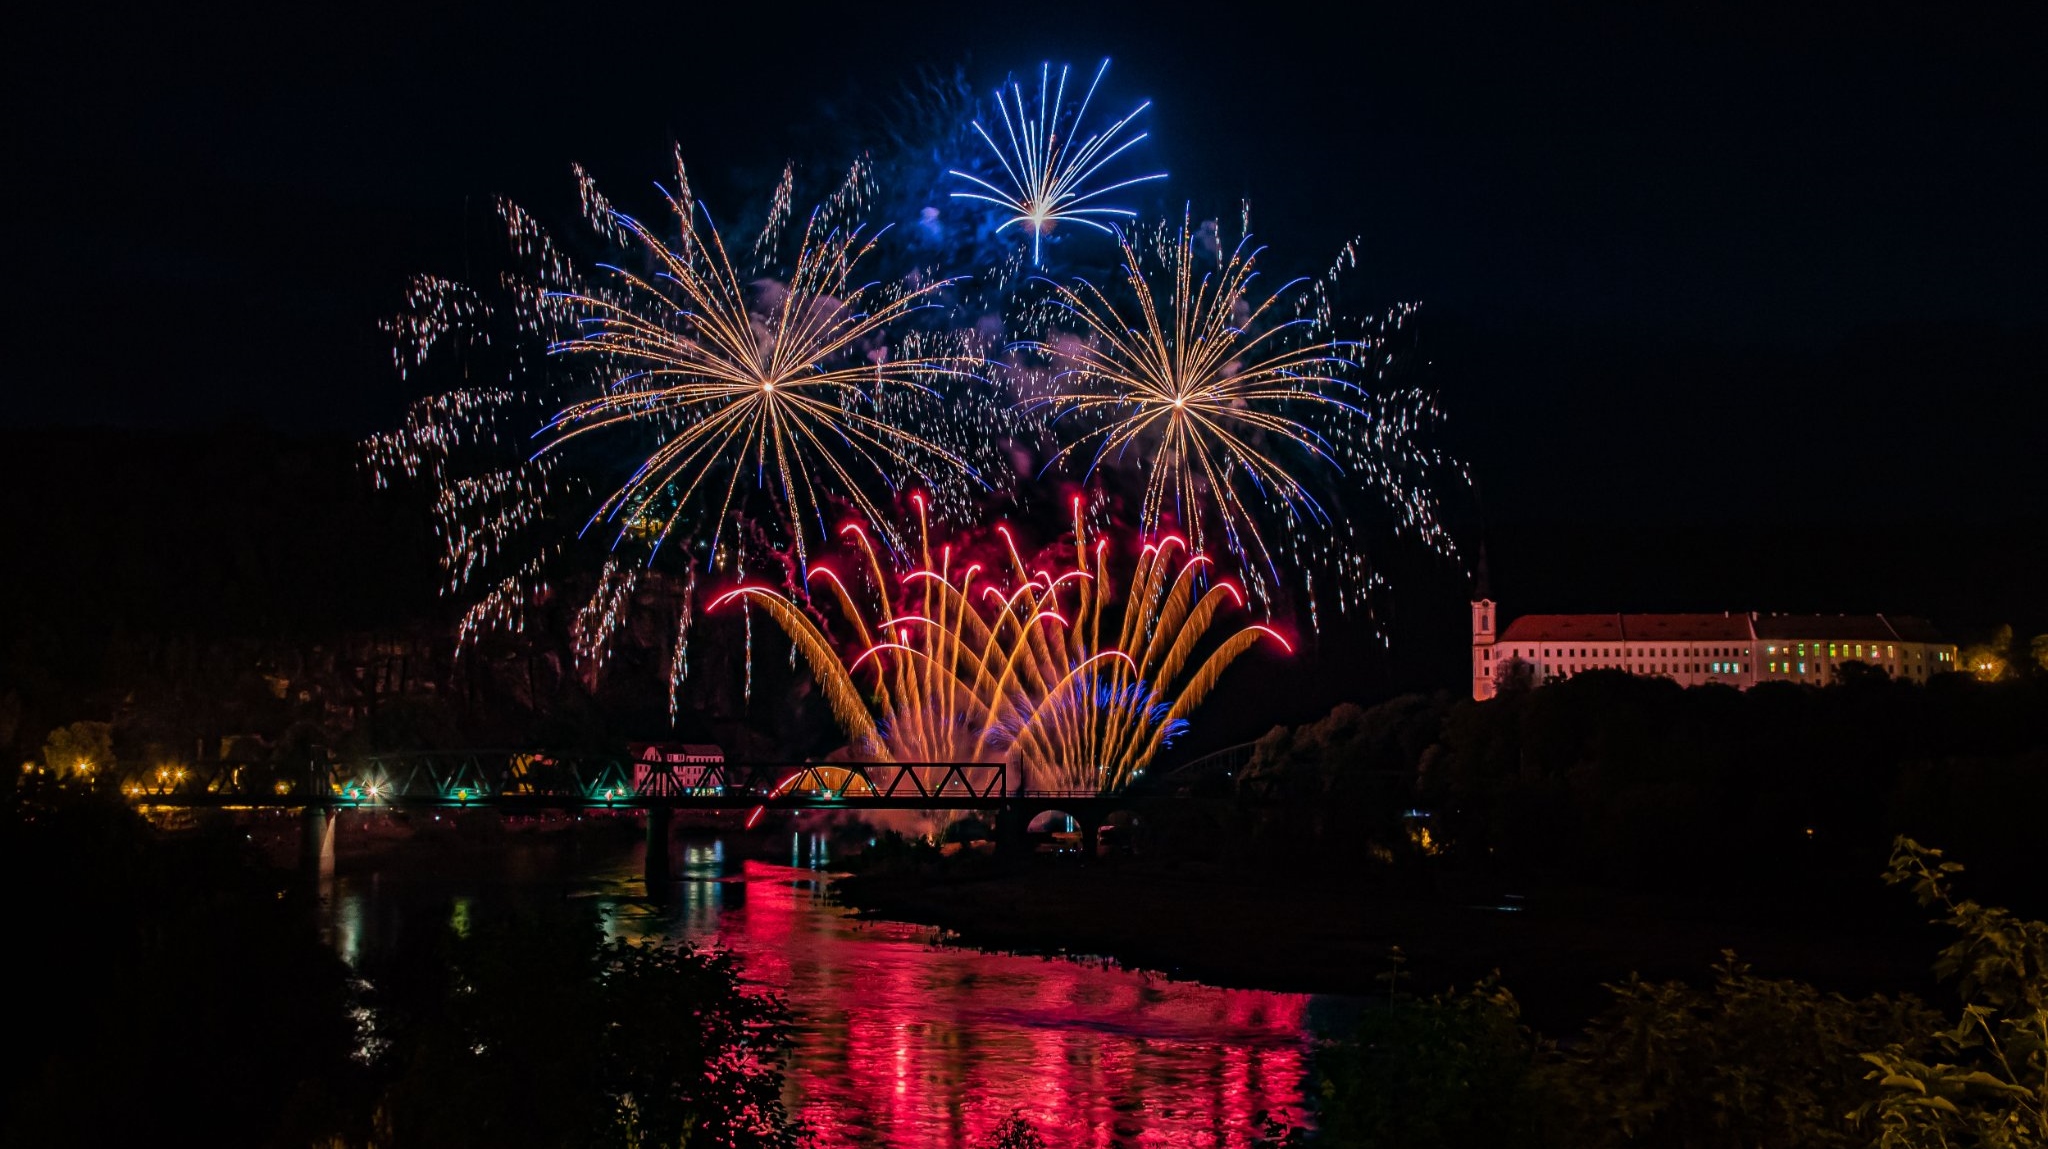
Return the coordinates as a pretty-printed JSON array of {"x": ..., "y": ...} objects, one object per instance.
[
  {"x": 1857, "y": 672},
  {"x": 1514, "y": 674},
  {"x": 1016, "y": 1132},
  {"x": 1987, "y": 1084},
  {"x": 79, "y": 749},
  {"x": 1990, "y": 660},
  {"x": 1750, "y": 1061},
  {"x": 534, "y": 1030},
  {"x": 2039, "y": 649},
  {"x": 1441, "y": 1072},
  {"x": 201, "y": 996}
]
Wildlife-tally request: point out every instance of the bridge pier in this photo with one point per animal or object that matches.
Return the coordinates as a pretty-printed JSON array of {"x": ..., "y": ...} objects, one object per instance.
[
  {"x": 658, "y": 865},
  {"x": 1091, "y": 835},
  {"x": 1012, "y": 826},
  {"x": 317, "y": 825}
]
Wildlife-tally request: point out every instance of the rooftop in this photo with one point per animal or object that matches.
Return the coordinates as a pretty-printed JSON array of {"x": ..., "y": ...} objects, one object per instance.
[{"x": 1717, "y": 628}]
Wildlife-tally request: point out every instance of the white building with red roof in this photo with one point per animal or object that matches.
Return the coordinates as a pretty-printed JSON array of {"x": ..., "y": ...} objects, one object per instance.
[{"x": 1738, "y": 650}]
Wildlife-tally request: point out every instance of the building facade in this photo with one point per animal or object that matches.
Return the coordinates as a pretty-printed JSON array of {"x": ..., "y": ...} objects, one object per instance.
[{"x": 1738, "y": 650}]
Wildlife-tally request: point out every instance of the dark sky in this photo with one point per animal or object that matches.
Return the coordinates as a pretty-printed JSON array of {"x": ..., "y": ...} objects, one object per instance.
[{"x": 1681, "y": 265}]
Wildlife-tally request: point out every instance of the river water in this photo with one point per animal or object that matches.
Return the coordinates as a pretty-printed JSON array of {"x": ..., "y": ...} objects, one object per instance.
[{"x": 901, "y": 1040}]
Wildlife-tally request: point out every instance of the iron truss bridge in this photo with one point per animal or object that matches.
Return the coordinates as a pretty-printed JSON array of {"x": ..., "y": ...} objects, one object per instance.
[{"x": 517, "y": 781}]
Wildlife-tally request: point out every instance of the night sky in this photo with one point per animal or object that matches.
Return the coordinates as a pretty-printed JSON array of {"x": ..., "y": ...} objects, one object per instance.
[{"x": 1730, "y": 307}]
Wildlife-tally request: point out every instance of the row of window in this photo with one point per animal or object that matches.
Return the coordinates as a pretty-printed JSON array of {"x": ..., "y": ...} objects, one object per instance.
[
  {"x": 1661, "y": 668},
  {"x": 1640, "y": 652},
  {"x": 1836, "y": 650},
  {"x": 1799, "y": 668}
]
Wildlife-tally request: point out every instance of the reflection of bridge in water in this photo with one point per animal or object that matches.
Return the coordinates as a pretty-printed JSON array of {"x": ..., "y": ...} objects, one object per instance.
[{"x": 526, "y": 782}]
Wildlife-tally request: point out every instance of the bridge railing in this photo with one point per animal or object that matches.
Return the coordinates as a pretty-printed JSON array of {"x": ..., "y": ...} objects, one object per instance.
[{"x": 540, "y": 779}]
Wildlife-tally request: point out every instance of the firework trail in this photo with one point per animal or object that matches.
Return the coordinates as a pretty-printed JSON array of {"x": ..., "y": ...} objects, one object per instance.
[
  {"x": 1054, "y": 673},
  {"x": 1045, "y": 172}
]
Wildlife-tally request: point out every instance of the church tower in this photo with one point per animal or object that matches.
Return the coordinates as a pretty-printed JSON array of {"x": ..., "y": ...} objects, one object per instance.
[{"x": 1484, "y": 618}]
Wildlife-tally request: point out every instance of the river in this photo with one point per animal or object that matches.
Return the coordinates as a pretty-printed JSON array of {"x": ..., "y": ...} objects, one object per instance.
[{"x": 902, "y": 1040}]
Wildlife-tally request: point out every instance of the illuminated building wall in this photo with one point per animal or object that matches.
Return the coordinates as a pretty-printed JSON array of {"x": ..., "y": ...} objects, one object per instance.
[{"x": 1738, "y": 650}]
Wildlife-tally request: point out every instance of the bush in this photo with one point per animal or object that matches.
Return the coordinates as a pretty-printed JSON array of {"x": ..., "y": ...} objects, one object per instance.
[
  {"x": 534, "y": 1030},
  {"x": 1442, "y": 1072},
  {"x": 1747, "y": 1062},
  {"x": 1988, "y": 1083}
]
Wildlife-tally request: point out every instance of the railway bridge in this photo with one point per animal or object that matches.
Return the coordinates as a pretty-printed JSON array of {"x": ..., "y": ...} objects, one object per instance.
[{"x": 657, "y": 785}]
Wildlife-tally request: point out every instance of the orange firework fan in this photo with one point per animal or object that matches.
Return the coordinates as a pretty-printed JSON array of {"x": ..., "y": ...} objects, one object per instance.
[{"x": 1049, "y": 672}]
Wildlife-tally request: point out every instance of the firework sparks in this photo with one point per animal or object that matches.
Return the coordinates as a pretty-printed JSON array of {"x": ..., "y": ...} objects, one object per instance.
[
  {"x": 1246, "y": 415},
  {"x": 777, "y": 379},
  {"x": 1046, "y": 172},
  {"x": 1050, "y": 673},
  {"x": 700, "y": 394},
  {"x": 1206, "y": 382}
]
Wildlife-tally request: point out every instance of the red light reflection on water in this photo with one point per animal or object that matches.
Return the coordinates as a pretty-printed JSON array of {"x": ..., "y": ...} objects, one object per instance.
[{"x": 906, "y": 1044}]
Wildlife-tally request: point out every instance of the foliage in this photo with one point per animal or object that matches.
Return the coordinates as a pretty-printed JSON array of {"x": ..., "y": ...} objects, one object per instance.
[
  {"x": 1748, "y": 1062},
  {"x": 1986, "y": 1081},
  {"x": 1446, "y": 1071},
  {"x": 1016, "y": 1132},
  {"x": 175, "y": 992},
  {"x": 1990, "y": 660},
  {"x": 1514, "y": 676},
  {"x": 79, "y": 748},
  {"x": 536, "y": 1031},
  {"x": 1345, "y": 778},
  {"x": 893, "y": 851}
]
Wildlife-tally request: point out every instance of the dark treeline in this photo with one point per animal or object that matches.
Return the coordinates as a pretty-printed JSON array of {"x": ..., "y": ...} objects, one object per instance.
[{"x": 1780, "y": 796}]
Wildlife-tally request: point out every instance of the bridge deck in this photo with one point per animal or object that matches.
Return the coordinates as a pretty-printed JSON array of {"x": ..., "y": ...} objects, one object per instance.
[{"x": 519, "y": 781}]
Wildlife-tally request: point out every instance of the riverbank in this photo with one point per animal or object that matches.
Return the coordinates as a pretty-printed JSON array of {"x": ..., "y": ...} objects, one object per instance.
[{"x": 1554, "y": 950}]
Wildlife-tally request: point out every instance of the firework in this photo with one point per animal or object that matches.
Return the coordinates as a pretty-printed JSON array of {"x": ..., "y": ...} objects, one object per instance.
[
  {"x": 1049, "y": 672},
  {"x": 780, "y": 380},
  {"x": 679, "y": 392},
  {"x": 1248, "y": 417},
  {"x": 1046, "y": 172},
  {"x": 1206, "y": 383}
]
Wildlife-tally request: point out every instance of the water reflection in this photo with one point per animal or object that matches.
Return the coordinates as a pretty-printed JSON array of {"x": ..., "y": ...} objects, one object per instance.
[{"x": 903, "y": 1042}]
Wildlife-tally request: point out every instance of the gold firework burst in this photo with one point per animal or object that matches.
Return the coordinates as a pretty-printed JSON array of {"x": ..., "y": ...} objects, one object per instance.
[
  {"x": 1205, "y": 382},
  {"x": 778, "y": 378}
]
